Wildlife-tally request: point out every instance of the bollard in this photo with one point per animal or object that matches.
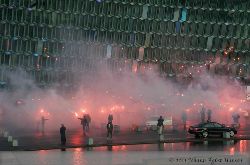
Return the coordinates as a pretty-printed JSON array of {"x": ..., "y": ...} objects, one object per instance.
[
  {"x": 90, "y": 141},
  {"x": 15, "y": 143},
  {"x": 10, "y": 138},
  {"x": 5, "y": 134},
  {"x": 205, "y": 142}
]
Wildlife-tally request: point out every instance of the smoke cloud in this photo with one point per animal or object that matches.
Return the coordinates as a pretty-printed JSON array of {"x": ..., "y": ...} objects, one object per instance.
[{"x": 131, "y": 96}]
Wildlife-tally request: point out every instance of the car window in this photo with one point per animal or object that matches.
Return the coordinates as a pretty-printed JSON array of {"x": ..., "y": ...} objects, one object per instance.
[
  {"x": 217, "y": 125},
  {"x": 208, "y": 125}
]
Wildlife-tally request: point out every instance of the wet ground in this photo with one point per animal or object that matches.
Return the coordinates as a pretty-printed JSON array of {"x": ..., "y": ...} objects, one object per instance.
[
  {"x": 216, "y": 153},
  {"x": 126, "y": 148},
  {"x": 76, "y": 138}
]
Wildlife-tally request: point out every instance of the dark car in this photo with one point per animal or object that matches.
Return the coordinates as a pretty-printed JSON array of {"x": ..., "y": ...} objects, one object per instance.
[{"x": 211, "y": 128}]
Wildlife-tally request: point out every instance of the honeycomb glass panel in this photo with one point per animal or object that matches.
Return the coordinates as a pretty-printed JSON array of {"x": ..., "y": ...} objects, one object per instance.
[{"x": 199, "y": 27}]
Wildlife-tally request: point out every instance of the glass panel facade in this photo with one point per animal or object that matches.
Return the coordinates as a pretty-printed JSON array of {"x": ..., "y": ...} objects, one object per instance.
[{"x": 82, "y": 29}]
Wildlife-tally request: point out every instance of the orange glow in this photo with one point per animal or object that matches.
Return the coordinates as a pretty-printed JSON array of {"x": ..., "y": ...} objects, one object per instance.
[
  {"x": 242, "y": 101},
  {"x": 83, "y": 110},
  {"x": 41, "y": 110},
  {"x": 76, "y": 114},
  {"x": 115, "y": 148},
  {"x": 243, "y": 146},
  {"x": 231, "y": 151},
  {"x": 78, "y": 149},
  {"x": 231, "y": 109},
  {"x": 123, "y": 148},
  {"x": 134, "y": 68},
  {"x": 42, "y": 151}
]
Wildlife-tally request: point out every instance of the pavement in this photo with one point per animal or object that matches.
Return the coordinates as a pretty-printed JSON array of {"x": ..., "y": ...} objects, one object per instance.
[{"x": 76, "y": 139}]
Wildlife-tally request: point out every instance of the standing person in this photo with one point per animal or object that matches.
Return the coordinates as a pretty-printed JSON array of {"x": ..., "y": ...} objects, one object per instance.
[
  {"x": 109, "y": 130},
  {"x": 63, "y": 134},
  {"x": 43, "y": 120},
  {"x": 88, "y": 122},
  {"x": 160, "y": 127},
  {"x": 110, "y": 118},
  {"x": 203, "y": 114},
  {"x": 236, "y": 118},
  {"x": 184, "y": 119},
  {"x": 84, "y": 123},
  {"x": 209, "y": 115}
]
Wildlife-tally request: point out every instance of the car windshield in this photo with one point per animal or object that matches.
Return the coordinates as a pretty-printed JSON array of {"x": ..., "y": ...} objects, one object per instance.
[
  {"x": 208, "y": 125},
  {"x": 217, "y": 125}
]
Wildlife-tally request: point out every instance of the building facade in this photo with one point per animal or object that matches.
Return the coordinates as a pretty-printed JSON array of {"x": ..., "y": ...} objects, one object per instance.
[{"x": 50, "y": 39}]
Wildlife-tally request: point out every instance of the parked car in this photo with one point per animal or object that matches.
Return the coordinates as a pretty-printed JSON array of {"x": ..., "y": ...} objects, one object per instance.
[
  {"x": 151, "y": 123},
  {"x": 211, "y": 128}
]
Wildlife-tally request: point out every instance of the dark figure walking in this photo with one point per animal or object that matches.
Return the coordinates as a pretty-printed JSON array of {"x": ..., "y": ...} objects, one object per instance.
[
  {"x": 63, "y": 135},
  {"x": 209, "y": 115},
  {"x": 88, "y": 121},
  {"x": 110, "y": 118},
  {"x": 236, "y": 118},
  {"x": 109, "y": 130},
  {"x": 160, "y": 121},
  {"x": 160, "y": 125},
  {"x": 236, "y": 122},
  {"x": 84, "y": 123}
]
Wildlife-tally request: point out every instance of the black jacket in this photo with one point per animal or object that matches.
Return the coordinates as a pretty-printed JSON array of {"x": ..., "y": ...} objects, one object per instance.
[{"x": 110, "y": 126}]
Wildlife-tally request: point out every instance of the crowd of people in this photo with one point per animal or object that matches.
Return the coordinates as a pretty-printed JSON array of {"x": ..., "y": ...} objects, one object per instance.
[
  {"x": 205, "y": 116},
  {"x": 85, "y": 122}
]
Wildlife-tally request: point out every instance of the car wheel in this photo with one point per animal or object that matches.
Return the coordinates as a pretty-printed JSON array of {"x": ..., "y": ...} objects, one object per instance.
[
  {"x": 231, "y": 133},
  {"x": 205, "y": 134}
]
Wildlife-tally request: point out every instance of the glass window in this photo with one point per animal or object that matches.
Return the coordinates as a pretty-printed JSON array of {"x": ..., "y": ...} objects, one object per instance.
[
  {"x": 200, "y": 28},
  {"x": 216, "y": 28},
  {"x": 217, "y": 125}
]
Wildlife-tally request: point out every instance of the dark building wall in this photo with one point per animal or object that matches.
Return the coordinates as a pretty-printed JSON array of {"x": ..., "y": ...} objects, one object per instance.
[{"x": 49, "y": 36}]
